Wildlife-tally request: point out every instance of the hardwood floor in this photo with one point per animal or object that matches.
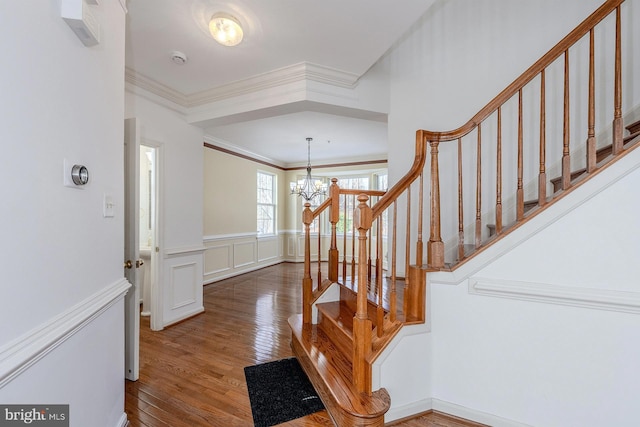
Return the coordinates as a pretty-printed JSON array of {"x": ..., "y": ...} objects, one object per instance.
[{"x": 192, "y": 373}]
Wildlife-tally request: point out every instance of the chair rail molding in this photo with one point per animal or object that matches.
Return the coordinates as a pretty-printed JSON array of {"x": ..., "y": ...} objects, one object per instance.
[
  {"x": 19, "y": 354},
  {"x": 600, "y": 299}
]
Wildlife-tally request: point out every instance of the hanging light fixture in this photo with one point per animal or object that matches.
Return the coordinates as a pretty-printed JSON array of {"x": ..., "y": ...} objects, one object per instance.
[
  {"x": 308, "y": 188},
  {"x": 225, "y": 29}
]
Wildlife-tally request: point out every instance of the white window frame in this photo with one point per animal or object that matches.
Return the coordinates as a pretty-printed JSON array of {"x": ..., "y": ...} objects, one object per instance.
[{"x": 271, "y": 206}]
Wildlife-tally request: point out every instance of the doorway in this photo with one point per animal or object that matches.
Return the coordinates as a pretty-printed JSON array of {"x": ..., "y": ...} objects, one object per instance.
[
  {"x": 147, "y": 227},
  {"x": 142, "y": 183}
]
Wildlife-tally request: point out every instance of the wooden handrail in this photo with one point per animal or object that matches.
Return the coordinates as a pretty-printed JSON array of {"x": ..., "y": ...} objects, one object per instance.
[
  {"x": 526, "y": 77},
  {"x": 416, "y": 169},
  {"x": 324, "y": 205}
]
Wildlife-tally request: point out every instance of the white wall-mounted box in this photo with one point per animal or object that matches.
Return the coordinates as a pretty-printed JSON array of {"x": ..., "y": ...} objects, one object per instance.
[{"x": 79, "y": 16}]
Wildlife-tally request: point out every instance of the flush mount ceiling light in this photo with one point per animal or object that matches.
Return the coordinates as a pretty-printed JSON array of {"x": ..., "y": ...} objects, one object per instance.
[{"x": 225, "y": 29}]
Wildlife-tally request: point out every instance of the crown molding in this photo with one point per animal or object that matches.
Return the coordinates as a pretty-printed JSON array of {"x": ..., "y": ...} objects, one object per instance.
[
  {"x": 155, "y": 87},
  {"x": 301, "y": 72},
  {"x": 226, "y": 147}
]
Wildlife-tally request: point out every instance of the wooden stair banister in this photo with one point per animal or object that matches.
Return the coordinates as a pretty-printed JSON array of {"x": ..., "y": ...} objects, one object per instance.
[
  {"x": 563, "y": 45},
  {"x": 381, "y": 299},
  {"x": 515, "y": 89}
]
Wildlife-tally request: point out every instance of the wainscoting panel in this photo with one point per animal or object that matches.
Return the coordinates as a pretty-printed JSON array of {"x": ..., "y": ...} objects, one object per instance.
[
  {"x": 233, "y": 254},
  {"x": 182, "y": 296},
  {"x": 244, "y": 254},
  {"x": 183, "y": 281},
  {"x": 291, "y": 246},
  {"x": 217, "y": 259},
  {"x": 268, "y": 249}
]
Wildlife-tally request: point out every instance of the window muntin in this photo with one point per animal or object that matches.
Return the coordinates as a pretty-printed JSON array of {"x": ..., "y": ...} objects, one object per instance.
[{"x": 266, "y": 203}]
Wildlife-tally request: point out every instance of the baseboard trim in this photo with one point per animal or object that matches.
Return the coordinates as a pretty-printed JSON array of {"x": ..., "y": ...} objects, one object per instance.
[
  {"x": 408, "y": 411},
  {"x": 123, "y": 421},
  {"x": 18, "y": 355},
  {"x": 473, "y": 415},
  {"x": 239, "y": 271},
  {"x": 184, "y": 317}
]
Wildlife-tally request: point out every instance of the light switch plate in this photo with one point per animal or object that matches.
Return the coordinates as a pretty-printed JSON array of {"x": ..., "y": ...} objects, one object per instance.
[{"x": 108, "y": 207}]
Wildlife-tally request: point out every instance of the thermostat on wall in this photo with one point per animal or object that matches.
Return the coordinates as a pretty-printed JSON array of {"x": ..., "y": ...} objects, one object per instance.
[
  {"x": 78, "y": 15},
  {"x": 74, "y": 175}
]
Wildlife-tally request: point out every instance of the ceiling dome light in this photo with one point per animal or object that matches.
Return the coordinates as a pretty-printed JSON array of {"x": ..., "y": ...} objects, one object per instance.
[{"x": 225, "y": 29}]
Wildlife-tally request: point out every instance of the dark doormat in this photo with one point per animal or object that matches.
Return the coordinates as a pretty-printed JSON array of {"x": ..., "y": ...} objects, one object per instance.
[{"x": 280, "y": 391}]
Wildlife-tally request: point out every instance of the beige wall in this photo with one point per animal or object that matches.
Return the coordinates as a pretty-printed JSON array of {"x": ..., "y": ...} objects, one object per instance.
[
  {"x": 231, "y": 244},
  {"x": 230, "y": 193}
]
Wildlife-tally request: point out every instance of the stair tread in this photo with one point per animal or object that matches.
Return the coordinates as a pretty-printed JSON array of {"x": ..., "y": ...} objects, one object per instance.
[
  {"x": 331, "y": 374},
  {"x": 633, "y": 127},
  {"x": 339, "y": 313}
]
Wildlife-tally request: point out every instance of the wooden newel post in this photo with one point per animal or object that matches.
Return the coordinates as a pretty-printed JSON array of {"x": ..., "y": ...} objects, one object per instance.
[
  {"x": 307, "y": 282},
  {"x": 361, "y": 324},
  {"x": 435, "y": 254},
  {"x": 334, "y": 217}
]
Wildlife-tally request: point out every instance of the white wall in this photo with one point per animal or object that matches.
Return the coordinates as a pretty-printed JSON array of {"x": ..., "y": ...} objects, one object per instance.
[
  {"x": 181, "y": 204},
  {"x": 549, "y": 333},
  {"x": 505, "y": 361},
  {"x": 61, "y": 339}
]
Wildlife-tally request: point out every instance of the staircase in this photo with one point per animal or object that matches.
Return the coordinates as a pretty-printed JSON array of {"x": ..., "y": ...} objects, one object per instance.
[{"x": 371, "y": 272}]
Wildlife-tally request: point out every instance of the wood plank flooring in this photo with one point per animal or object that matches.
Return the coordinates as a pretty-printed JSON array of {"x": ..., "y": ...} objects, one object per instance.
[{"x": 192, "y": 373}]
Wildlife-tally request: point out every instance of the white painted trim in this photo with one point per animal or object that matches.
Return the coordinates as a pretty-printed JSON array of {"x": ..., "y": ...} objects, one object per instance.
[
  {"x": 600, "y": 299},
  {"x": 267, "y": 237},
  {"x": 154, "y": 87},
  {"x": 301, "y": 72},
  {"x": 433, "y": 404},
  {"x": 242, "y": 271},
  {"x": 186, "y": 265},
  {"x": 143, "y": 93},
  {"x": 409, "y": 410},
  {"x": 577, "y": 197},
  {"x": 286, "y": 232},
  {"x": 254, "y": 254},
  {"x": 473, "y": 415},
  {"x": 216, "y": 237},
  {"x": 185, "y": 316},
  {"x": 123, "y": 421},
  {"x": 184, "y": 251},
  {"x": 21, "y": 353},
  {"x": 229, "y": 257}
]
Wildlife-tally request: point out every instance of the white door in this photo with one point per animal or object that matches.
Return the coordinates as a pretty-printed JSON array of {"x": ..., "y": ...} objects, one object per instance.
[
  {"x": 131, "y": 247},
  {"x": 151, "y": 295}
]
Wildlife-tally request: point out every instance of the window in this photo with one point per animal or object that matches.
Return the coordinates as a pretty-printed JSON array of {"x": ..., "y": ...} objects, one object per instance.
[
  {"x": 346, "y": 216},
  {"x": 266, "y": 203}
]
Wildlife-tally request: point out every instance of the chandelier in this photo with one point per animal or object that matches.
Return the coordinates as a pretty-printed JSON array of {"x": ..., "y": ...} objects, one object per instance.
[{"x": 308, "y": 188}]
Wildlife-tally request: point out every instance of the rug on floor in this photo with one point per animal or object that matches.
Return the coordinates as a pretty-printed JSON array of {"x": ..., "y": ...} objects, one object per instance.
[{"x": 280, "y": 391}]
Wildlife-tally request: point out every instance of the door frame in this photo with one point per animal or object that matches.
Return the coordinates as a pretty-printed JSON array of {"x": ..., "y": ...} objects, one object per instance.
[
  {"x": 157, "y": 264},
  {"x": 131, "y": 247}
]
